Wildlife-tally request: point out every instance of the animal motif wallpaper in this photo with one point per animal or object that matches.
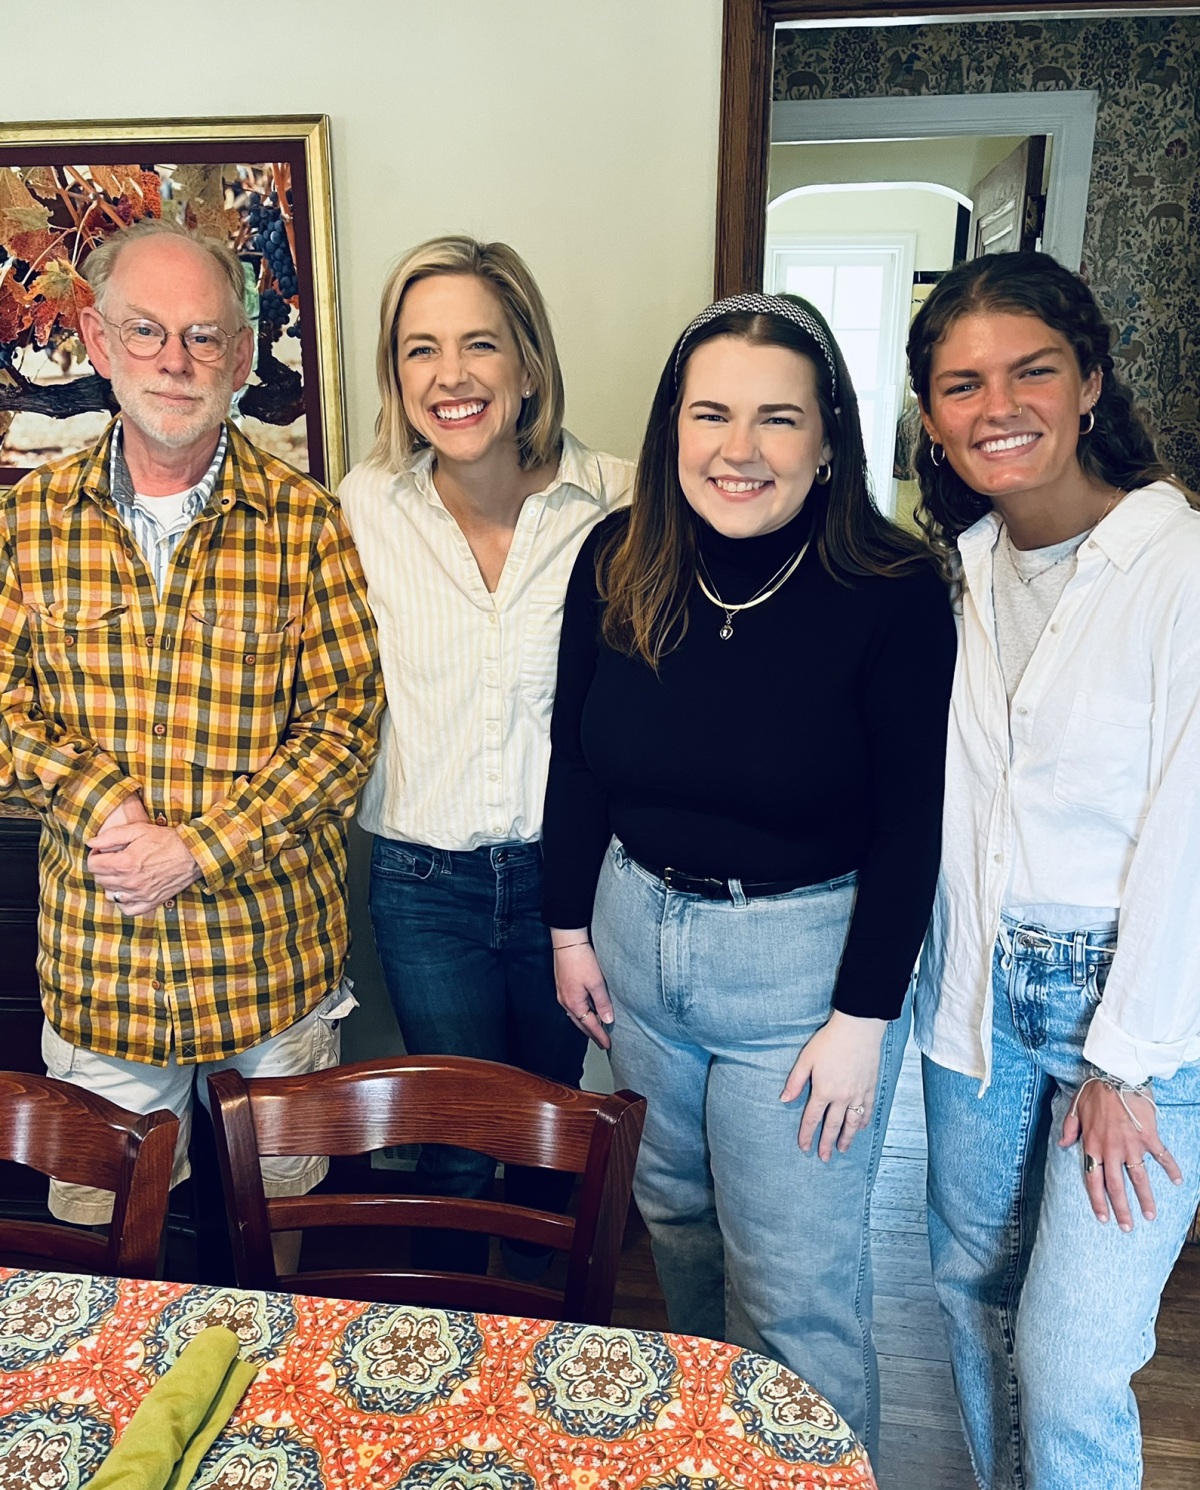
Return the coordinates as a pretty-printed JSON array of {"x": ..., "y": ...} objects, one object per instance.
[{"x": 1142, "y": 241}]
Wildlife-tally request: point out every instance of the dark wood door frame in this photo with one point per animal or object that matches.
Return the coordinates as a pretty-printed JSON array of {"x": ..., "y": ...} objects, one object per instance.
[{"x": 746, "y": 89}]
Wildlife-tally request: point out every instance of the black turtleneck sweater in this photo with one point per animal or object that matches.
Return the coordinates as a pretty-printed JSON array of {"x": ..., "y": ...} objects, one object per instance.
[{"x": 809, "y": 744}]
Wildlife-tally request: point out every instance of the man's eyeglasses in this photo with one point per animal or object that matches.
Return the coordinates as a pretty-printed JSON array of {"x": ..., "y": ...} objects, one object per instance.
[{"x": 142, "y": 338}]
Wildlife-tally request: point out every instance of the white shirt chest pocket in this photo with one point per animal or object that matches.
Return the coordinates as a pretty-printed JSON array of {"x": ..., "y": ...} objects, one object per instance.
[
  {"x": 1104, "y": 762},
  {"x": 539, "y": 649}
]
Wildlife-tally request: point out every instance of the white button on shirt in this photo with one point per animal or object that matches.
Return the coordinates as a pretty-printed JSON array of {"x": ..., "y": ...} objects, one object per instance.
[
  {"x": 469, "y": 674},
  {"x": 1088, "y": 796}
]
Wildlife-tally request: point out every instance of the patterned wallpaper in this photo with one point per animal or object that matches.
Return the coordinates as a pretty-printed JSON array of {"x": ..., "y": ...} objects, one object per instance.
[{"x": 1142, "y": 241}]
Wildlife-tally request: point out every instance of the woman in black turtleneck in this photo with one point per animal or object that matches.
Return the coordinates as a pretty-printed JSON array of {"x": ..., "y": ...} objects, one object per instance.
[{"x": 744, "y": 806}]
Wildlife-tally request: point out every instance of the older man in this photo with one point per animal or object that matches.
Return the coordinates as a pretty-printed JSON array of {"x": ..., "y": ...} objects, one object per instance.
[{"x": 189, "y": 694}]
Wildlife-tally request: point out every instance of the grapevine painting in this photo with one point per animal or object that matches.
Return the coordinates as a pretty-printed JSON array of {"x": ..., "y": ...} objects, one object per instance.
[{"x": 263, "y": 190}]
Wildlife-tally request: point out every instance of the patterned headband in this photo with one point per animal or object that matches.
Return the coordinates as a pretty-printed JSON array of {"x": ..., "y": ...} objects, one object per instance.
[{"x": 764, "y": 305}]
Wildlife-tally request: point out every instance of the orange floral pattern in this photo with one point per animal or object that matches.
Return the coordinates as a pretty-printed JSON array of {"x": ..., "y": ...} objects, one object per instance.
[{"x": 355, "y": 1396}]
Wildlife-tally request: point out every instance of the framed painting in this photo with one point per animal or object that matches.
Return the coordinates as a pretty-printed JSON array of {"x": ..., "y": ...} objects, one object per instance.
[{"x": 260, "y": 185}]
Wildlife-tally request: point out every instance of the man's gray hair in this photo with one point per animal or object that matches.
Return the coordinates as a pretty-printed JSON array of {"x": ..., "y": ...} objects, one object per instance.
[{"x": 100, "y": 263}]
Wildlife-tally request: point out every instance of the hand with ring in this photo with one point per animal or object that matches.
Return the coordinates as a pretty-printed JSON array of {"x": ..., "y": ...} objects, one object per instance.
[
  {"x": 1114, "y": 1151},
  {"x": 840, "y": 1068}
]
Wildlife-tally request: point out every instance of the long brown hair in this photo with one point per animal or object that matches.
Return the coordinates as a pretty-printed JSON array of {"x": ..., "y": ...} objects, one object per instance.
[
  {"x": 1117, "y": 450},
  {"x": 646, "y": 571}
]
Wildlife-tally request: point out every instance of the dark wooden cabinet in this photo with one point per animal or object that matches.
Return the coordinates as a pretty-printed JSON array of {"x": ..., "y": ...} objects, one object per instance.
[
  {"x": 22, "y": 1192},
  {"x": 20, "y": 1007}
]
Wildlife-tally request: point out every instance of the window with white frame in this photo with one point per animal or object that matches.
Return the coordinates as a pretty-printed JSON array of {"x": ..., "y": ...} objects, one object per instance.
[{"x": 862, "y": 285}]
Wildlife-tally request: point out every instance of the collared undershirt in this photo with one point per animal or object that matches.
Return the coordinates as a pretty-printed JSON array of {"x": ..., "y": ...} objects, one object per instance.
[
  {"x": 1027, "y": 585},
  {"x": 158, "y": 531}
]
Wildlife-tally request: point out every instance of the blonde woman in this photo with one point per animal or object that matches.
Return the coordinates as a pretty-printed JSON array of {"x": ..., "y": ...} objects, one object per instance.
[{"x": 468, "y": 514}]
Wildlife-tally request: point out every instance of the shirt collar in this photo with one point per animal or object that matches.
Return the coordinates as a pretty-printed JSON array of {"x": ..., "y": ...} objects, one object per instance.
[
  {"x": 1120, "y": 536},
  {"x": 1133, "y": 522},
  {"x": 237, "y": 470},
  {"x": 120, "y": 483},
  {"x": 578, "y": 467}
]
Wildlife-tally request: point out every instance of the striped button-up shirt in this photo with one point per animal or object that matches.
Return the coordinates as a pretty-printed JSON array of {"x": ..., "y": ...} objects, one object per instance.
[
  {"x": 470, "y": 674},
  {"x": 157, "y": 544},
  {"x": 241, "y": 704}
]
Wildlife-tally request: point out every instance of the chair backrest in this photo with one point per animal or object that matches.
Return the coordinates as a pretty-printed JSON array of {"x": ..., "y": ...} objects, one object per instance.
[
  {"x": 70, "y": 1134},
  {"x": 494, "y": 1109}
]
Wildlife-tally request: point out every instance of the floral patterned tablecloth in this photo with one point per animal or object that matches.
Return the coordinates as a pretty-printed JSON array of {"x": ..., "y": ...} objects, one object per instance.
[{"x": 353, "y": 1395}]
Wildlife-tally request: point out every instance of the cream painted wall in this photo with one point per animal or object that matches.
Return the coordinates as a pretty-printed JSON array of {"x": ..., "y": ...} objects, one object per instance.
[
  {"x": 958, "y": 161},
  {"x": 930, "y": 215},
  {"x": 583, "y": 134}
]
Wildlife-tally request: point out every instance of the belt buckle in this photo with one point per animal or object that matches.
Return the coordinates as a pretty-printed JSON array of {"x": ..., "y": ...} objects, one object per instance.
[{"x": 695, "y": 884}]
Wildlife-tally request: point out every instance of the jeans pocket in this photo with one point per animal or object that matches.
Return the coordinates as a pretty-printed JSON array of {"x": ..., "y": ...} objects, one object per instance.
[
  {"x": 57, "y": 1053},
  {"x": 402, "y": 861}
]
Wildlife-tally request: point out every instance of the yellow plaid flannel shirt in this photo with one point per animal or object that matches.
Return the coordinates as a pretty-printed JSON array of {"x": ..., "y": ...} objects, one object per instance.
[{"x": 243, "y": 705}]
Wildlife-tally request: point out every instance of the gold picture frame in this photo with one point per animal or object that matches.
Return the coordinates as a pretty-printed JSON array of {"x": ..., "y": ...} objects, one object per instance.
[{"x": 74, "y": 183}]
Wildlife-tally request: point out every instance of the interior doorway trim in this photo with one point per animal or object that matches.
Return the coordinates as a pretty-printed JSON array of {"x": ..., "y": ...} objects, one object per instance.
[
  {"x": 1069, "y": 116},
  {"x": 747, "y": 49}
]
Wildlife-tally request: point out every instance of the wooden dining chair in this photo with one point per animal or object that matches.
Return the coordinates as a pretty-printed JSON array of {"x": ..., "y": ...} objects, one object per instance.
[
  {"x": 72, "y": 1135},
  {"x": 494, "y": 1109}
]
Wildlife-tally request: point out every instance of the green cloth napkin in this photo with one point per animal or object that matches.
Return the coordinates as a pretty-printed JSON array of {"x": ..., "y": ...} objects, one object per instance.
[{"x": 177, "y": 1420}]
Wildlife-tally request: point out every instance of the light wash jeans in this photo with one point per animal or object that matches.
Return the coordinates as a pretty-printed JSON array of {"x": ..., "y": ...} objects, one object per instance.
[
  {"x": 755, "y": 1242},
  {"x": 1050, "y": 1313}
]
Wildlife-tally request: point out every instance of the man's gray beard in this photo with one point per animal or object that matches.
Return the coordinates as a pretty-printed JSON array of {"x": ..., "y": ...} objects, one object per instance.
[{"x": 138, "y": 407}]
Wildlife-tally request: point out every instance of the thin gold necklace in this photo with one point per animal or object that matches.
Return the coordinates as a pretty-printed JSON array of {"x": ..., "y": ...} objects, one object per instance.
[{"x": 776, "y": 582}]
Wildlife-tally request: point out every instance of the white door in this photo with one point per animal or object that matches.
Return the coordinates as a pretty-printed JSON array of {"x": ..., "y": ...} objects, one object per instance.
[{"x": 862, "y": 286}]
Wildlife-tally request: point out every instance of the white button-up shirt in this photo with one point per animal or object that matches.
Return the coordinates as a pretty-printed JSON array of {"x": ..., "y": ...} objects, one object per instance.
[
  {"x": 469, "y": 674},
  {"x": 1086, "y": 794}
]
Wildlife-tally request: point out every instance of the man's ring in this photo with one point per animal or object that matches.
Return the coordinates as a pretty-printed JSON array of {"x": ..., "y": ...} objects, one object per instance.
[
  {"x": 1135, "y": 1164},
  {"x": 1091, "y": 1164},
  {"x": 857, "y": 1111}
]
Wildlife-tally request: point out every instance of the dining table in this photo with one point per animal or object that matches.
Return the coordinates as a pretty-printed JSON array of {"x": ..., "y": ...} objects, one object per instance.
[{"x": 353, "y": 1395}]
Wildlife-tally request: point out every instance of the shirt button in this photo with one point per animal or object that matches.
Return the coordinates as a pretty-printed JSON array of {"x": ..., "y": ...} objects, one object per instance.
[
  {"x": 997, "y": 858},
  {"x": 1022, "y": 710},
  {"x": 249, "y": 659},
  {"x": 149, "y": 641},
  {"x": 492, "y": 618},
  {"x": 156, "y": 984},
  {"x": 168, "y": 905},
  {"x": 492, "y": 776},
  {"x": 161, "y": 820},
  {"x": 69, "y": 640},
  {"x": 160, "y": 729}
]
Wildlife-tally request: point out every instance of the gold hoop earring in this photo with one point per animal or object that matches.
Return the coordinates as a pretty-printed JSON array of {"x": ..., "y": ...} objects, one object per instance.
[
  {"x": 823, "y": 480},
  {"x": 1086, "y": 429},
  {"x": 933, "y": 453}
]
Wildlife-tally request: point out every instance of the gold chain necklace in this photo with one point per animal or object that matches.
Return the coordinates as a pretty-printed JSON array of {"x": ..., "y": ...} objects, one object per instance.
[{"x": 776, "y": 582}]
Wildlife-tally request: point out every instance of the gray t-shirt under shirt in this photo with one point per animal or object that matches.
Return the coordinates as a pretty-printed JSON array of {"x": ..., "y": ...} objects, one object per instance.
[{"x": 1027, "y": 584}]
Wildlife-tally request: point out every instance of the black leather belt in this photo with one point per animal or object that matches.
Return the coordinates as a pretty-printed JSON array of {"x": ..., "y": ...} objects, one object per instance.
[{"x": 715, "y": 889}]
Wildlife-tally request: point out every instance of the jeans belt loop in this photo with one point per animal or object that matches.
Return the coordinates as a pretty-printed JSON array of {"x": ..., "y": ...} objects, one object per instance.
[{"x": 1079, "y": 959}]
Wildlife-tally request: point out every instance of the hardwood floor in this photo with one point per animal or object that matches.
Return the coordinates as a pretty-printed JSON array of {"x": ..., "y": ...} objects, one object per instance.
[{"x": 921, "y": 1444}]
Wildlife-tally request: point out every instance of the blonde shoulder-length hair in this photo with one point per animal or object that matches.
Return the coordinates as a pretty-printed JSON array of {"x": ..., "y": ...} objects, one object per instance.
[{"x": 539, "y": 427}]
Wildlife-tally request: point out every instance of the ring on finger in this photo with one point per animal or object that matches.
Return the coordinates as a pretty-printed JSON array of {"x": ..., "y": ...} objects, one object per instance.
[
  {"x": 857, "y": 1111},
  {"x": 1091, "y": 1163},
  {"x": 1135, "y": 1163}
]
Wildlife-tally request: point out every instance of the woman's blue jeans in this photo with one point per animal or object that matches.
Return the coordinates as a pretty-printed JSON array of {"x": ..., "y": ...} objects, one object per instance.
[
  {"x": 1050, "y": 1312},
  {"x": 469, "y": 971},
  {"x": 755, "y": 1242}
]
